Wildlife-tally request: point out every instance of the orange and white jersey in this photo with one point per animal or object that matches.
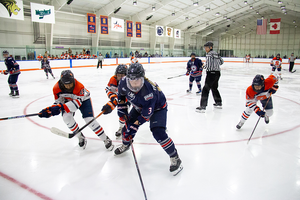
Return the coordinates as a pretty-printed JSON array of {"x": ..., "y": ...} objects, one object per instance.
[
  {"x": 112, "y": 87},
  {"x": 133, "y": 60},
  {"x": 276, "y": 62},
  {"x": 247, "y": 57},
  {"x": 71, "y": 101},
  {"x": 252, "y": 97}
]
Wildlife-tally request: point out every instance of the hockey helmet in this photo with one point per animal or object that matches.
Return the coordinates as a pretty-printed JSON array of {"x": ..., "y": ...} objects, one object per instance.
[
  {"x": 5, "y": 52},
  {"x": 278, "y": 55},
  {"x": 67, "y": 77},
  {"x": 135, "y": 77},
  {"x": 192, "y": 54},
  {"x": 121, "y": 69},
  {"x": 208, "y": 44},
  {"x": 258, "y": 80}
]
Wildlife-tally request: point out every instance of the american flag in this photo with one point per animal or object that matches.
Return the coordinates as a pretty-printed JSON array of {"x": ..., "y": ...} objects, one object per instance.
[{"x": 261, "y": 28}]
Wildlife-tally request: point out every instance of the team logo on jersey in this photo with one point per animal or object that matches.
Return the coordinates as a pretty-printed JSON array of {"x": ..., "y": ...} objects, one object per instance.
[
  {"x": 148, "y": 97},
  {"x": 194, "y": 68},
  {"x": 131, "y": 96}
]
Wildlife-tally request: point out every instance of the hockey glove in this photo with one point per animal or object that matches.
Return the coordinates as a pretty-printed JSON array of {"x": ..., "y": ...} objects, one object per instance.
[
  {"x": 187, "y": 73},
  {"x": 108, "y": 108},
  {"x": 45, "y": 113},
  {"x": 274, "y": 89},
  {"x": 123, "y": 110},
  {"x": 129, "y": 132},
  {"x": 5, "y": 72},
  {"x": 56, "y": 109},
  {"x": 259, "y": 112}
]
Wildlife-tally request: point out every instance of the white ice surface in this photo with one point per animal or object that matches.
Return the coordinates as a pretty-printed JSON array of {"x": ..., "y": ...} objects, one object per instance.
[{"x": 218, "y": 163}]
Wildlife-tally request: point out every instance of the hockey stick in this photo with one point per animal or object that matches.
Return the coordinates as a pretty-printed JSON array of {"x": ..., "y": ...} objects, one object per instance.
[
  {"x": 20, "y": 116},
  {"x": 137, "y": 167},
  {"x": 258, "y": 119},
  {"x": 70, "y": 135},
  {"x": 177, "y": 76}
]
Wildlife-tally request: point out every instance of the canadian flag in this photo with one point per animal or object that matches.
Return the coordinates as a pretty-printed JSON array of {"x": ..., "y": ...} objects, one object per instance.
[{"x": 275, "y": 26}]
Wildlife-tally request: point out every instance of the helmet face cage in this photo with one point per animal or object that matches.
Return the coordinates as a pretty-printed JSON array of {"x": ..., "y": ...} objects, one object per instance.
[
  {"x": 258, "y": 80},
  {"x": 67, "y": 77},
  {"x": 135, "y": 84},
  {"x": 121, "y": 69}
]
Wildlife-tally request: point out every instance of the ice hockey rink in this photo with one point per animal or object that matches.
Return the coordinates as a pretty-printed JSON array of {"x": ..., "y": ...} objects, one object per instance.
[{"x": 218, "y": 163}]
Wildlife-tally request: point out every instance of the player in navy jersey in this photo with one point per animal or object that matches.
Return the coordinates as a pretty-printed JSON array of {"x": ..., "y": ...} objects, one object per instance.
[
  {"x": 194, "y": 69},
  {"x": 149, "y": 104},
  {"x": 45, "y": 64},
  {"x": 13, "y": 70}
]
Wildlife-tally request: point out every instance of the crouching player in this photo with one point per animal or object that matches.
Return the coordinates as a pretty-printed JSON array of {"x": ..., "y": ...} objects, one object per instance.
[
  {"x": 70, "y": 95},
  {"x": 260, "y": 90},
  {"x": 149, "y": 104}
]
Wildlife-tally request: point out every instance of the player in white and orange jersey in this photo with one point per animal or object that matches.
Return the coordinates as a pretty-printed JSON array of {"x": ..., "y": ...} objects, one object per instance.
[
  {"x": 133, "y": 59},
  {"x": 71, "y": 95},
  {"x": 112, "y": 93},
  {"x": 276, "y": 64}
]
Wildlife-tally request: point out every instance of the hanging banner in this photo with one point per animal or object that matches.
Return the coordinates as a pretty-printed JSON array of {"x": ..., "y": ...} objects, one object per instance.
[
  {"x": 117, "y": 25},
  {"x": 169, "y": 32},
  {"x": 275, "y": 26},
  {"x": 159, "y": 30},
  {"x": 103, "y": 24},
  {"x": 138, "y": 29},
  {"x": 91, "y": 23},
  {"x": 42, "y": 13},
  {"x": 129, "y": 28},
  {"x": 12, "y": 9},
  {"x": 177, "y": 33}
]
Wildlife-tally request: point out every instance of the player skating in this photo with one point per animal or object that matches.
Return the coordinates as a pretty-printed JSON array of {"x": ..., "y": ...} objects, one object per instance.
[
  {"x": 13, "y": 70},
  {"x": 248, "y": 58},
  {"x": 112, "y": 93},
  {"x": 133, "y": 59},
  {"x": 194, "y": 69},
  {"x": 149, "y": 104},
  {"x": 276, "y": 64},
  {"x": 45, "y": 65},
  {"x": 260, "y": 90},
  {"x": 71, "y": 95}
]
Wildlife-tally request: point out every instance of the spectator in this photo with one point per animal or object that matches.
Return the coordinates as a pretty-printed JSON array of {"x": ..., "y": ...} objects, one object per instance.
[
  {"x": 88, "y": 52},
  {"x": 107, "y": 55},
  {"x": 70, "y": 51},
  {"x": 146, "y": 54}
]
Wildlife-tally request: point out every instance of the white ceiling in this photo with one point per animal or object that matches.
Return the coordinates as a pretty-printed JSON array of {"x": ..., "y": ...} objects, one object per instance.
[{"x": 199, "y": 20}]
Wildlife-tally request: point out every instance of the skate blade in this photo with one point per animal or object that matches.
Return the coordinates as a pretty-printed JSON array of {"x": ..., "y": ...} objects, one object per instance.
[
  {"x": 218, "y": 107},
  {"x": 111, "y": 147},
  {"x": 15, "y": 96},
  {"x": 180, "y": 168},
  {"x": 84, "y": 145},
  {"x": 200, "y": 111}
]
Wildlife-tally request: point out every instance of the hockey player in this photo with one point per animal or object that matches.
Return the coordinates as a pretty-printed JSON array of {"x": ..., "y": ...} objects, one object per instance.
[
  {"x": 70, "y": 95},
  {"x": 149, "y": 104},
  {"x": 276, "y": 64},
  {"x": 112, "y": 93},
  {"x": 13, "y": 70},
  {"x": 45, "y": 65},
  {"x": 260, "y": 90},
  {"x": 133, "y": 59},
  {"x": 248, "y": 58},
  {"x": 194, "y": 69}
]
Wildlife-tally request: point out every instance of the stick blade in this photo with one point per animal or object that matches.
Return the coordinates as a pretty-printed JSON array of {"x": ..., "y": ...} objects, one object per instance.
[{"x": 59, "y": 132}]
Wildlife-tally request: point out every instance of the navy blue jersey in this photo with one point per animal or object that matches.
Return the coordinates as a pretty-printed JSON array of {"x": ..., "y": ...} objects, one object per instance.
[
  {"x": 12, "y": 66},
  {"x": 194, "y": 67},
  {"x": 45, "y": 64},
  {"x": 150, "y": 98}
]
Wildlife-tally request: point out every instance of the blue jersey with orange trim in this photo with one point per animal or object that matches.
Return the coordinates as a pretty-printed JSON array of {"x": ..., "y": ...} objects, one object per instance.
[
  {"x": 70, "y": 100},
  {"x": 150, "y": 98},
  {"x": 12, "y": 66},
  {"x": 194, "y": 66}
]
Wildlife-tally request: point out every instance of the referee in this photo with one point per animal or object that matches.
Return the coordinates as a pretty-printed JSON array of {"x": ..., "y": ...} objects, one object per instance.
[{"x": 213, "y": 62}]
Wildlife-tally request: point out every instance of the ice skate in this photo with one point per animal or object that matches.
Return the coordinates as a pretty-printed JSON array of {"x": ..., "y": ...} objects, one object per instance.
[
  {"x": 121, "y": 149},
  {"x": 11, "y": 93},
  {"x": 188, "y": 91},
  {"x": 218, "y": 105},
  {"x": 199, "y": 92},
  {"x": 108, "y": 144},
  {"x": 200, "y": 109},
  {"x": 82, "y": 141},
  {"x": 239, "y": 125},
  {"x": 267, "y": 119},
  {"x": 119, "y": 132},
  {"x": 16, "y": 94},
  {"x": 176, "y": 165}
]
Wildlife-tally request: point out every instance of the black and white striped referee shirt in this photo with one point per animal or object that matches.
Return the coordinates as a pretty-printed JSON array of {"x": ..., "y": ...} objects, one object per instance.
[{"x": 213, "y": 61}]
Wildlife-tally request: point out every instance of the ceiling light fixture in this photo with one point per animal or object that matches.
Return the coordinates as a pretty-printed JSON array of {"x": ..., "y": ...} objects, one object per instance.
[
  {"x": 244, "y": 26},
  {"x": 251, "y": 7},
  {"x": 186, "y": 18},
  {"x": 294, "y": 21},
  {"x": 149, "y": 17},
  {"x": 279, "y": 2},
  {"x": 207, "y": 9},
  {"x": 117, "y": 10},
  {"x": 173, "y": 13},
  {"x": 245, "y": 2},
  {"x": 153, "y": 8},
  {"x": 195, "y": 3},
  {"x": 257, "y": 12},
  {"x": 225, "y": 17},
  {"x": 134, "y": 3},
  {"x": 198, "y": 22},
  {"x": 217, "y": 13}
]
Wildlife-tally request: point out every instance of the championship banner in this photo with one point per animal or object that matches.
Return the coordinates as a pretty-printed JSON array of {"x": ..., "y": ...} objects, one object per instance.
[
  {"x": 91, "y": 23},
  {"x": 159, "y": 30},
  {"x": 42, "y": 13},
  {"x": 177, "y": 33},
  {"x": 275, "y": 26},
  {"x": 129, "y": 28},
  {"x": 169, "y": 32},
  {"x": 138, "y": 29},
  {"x": 12, "y": 9},
  {"x": 117, "y": 25},
  {"x": 103, "y": 24}
]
